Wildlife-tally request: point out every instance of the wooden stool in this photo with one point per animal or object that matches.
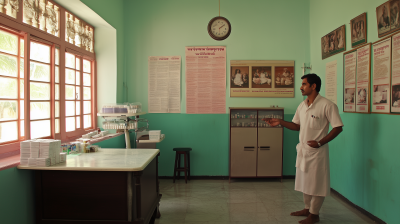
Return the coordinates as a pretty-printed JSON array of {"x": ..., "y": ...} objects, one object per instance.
[{"x": 186, "y": 153}]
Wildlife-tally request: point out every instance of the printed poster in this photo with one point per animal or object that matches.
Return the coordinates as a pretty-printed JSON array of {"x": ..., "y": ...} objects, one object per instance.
[
  {"x": 164, "y": 85},
  {"x": 330, "y": 81},
  {"x": 395, "y": 100},
  {"x": 363, "y": 78},
  {"x": 381, "y": 76},
  {"x": 206, "y": 80},
  {"x": 350, "y": 65}
]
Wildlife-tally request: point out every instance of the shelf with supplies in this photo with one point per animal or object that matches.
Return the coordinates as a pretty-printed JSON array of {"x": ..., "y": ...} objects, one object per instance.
[
  {"x": 253, "y": 118},
  {"x": 256, "y": 148},
  {"x": 124, "y": 116}
]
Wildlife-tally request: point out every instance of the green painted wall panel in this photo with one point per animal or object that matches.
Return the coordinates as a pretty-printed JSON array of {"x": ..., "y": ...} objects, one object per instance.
[
  {"x": 17, "y": 196},
  {"x": 364, "y": 158},
  {"x": 208, "y": 136},
  {"x": 113, "y": 13}
]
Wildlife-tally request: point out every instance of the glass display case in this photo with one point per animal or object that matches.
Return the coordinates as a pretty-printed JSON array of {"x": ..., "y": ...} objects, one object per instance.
[{"x": 253, "y": 118}]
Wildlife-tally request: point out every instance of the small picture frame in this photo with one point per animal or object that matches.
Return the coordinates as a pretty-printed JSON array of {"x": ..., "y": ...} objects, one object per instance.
[
  {"x": 358, "y": 27},
  {"x": 334, "y": 42},
  {"x": 383, "y": 19}
]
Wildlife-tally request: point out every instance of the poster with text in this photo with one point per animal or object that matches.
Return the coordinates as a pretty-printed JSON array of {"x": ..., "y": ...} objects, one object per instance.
[
  {"x": 330, "y": 81},
  {"x": 363, "y": 79},
  {"x": 206, "y": 80},
  {"x": 350, "y": 65},
  {"x": 164, "y": 85},
  {"x": 381, "y": 76},
  {"x": 262, "y": 78},
  {"x": 395, "y": 100}
]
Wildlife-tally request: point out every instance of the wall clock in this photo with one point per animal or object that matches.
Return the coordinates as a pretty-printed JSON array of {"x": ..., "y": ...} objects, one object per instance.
[{"x": 219, "y": 28}]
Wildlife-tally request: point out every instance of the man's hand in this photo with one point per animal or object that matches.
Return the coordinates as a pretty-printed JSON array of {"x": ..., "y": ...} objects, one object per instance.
[
  {"x": 272, "y": 121},
  {"x": 313, "y": 144}
]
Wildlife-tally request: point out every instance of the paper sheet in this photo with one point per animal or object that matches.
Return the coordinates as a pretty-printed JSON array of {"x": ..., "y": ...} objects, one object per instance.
[
  {"x": 381, "y": 76},
  {"x": 205, "y": 80},
  {"x": 363, "y": 79},
  {"x": 164, "y": 92},
  {"x": 349, "y": 94},
  {"x": 395, "y": 102},
  {"x": 330, "y": 81}
]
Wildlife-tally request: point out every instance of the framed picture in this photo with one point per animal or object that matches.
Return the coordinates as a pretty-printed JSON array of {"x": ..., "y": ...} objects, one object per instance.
[
  {"x": 334, "y": 42},
  {"x": 383, "y": 19},
  {"x": 394, "y": 14},
  {"x": 262, "y": 78},
  {"x": 359, "y": 30},
  {"x": 240, "y": 77},
  {"x": 284, "y": 77}
]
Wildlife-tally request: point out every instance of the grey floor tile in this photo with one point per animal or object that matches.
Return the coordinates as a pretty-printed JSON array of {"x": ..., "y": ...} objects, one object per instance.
[{"x": 244, "y": 201}]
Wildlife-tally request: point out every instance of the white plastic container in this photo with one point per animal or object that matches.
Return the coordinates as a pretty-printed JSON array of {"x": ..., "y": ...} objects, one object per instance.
[{"x": 154, "y": 135}]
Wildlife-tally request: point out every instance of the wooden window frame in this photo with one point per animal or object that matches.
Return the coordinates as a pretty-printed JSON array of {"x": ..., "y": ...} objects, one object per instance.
[{"x": 30, "y": 33}]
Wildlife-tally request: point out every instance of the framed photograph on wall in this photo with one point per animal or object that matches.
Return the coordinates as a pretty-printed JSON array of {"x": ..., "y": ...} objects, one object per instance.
[
  {"x": 334, "y": 42},
  {"x": 265, "y": 78},
  {"x": 358, "y": 28},
  {"x": 240, "y": 77},
  {"x": 383, "y": 19},
  {"x": 262, "y": 77},
  {"x": 394, "y": 15}
]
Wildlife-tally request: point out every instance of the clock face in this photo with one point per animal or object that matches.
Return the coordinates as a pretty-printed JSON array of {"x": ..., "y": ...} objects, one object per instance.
[{"x": 219, "y": 28}]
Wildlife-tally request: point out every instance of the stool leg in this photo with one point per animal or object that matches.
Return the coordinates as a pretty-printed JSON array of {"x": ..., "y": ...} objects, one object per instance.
[
  {"x": 176, "y": 163},
  {"x": 185, "y": 157},
  {"x": 189, "y": 165},
  {"x": 179, "y": 166}
]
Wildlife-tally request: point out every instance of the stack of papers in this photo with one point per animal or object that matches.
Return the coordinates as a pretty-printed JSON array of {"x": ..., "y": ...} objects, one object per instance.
[
  {"x": 43, "y": 162},
  {"x": 48, "y": 149},
  {"x": 32, "y": 162},
  {"x": 25, "y": 152},
  {"x": 35, "y": 146}
]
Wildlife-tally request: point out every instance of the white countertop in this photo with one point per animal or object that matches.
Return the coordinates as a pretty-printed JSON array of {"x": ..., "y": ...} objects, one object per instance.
[{"x": 105, "y": 160}]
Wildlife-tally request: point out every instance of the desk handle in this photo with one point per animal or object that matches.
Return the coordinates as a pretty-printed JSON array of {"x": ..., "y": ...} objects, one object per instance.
[
  {"x": 265, "y": 147},
  {"x": 249, "y": 148}
]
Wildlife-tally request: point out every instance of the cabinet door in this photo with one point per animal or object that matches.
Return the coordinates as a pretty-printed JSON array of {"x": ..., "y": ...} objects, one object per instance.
[
  {"x": 269, "y": 152},
  {"x": 243, "y": 152}
]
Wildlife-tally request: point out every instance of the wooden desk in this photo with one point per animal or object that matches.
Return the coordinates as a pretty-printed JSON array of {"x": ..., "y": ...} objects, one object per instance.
[{"x": 110, "y": 186}]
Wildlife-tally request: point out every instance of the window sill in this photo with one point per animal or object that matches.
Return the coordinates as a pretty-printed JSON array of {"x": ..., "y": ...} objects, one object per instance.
[{"x": 9, "y": 162}]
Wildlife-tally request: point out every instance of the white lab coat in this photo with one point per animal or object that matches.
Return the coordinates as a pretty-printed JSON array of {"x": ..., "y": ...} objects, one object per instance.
[{"x": 312, "y": 164}]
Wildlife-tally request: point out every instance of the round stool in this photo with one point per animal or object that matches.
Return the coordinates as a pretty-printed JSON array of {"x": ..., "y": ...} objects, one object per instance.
[{"x": 186, "y": 153}]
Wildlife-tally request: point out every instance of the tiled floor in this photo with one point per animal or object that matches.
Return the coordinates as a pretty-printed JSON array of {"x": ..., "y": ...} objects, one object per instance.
[{"x": 244, "y": 201}]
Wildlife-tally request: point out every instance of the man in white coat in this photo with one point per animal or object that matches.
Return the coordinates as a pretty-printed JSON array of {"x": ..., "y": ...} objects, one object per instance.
[{"x": 312, "y": 119}]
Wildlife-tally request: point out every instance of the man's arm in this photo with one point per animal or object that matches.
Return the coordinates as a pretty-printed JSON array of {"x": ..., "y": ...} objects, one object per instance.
[
  {"x": 275, "y": 122},
  {"x": 332, "y": 135}
]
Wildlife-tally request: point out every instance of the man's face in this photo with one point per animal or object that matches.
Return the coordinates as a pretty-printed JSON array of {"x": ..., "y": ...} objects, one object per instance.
[{"x": 305, "y": 88}]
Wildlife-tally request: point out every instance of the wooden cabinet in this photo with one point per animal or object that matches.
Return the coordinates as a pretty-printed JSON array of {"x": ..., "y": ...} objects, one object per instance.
[{"x": 256, "y": 149}]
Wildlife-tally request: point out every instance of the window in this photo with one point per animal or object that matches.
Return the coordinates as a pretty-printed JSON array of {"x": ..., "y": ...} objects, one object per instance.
[
  {"x": 43, "y": 15},
  {"x": 10, "y": 7},
  {"x": 58, "y": 72},
  {"x": 11, "y": 88},
  {"x": 40, "y": 90}
]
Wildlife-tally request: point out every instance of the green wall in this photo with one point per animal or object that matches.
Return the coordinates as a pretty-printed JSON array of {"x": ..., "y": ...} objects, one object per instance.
[
  {"x": 113, "y": 12},
  {"x": 261, "y": 30},
  {"x": 17, "y": 196},
  {"x": 364, "y": 158}
]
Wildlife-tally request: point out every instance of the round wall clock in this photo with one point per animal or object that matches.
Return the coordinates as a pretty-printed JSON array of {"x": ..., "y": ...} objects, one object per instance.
[{"x": 219, "y": 28}]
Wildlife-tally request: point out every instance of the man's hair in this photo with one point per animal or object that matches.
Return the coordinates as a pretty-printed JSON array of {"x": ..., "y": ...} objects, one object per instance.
[{"x": 313, "y": 78}]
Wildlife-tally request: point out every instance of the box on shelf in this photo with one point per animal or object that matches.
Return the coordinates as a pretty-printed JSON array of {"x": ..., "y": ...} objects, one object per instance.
[{"x": 154, "y": 134}]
